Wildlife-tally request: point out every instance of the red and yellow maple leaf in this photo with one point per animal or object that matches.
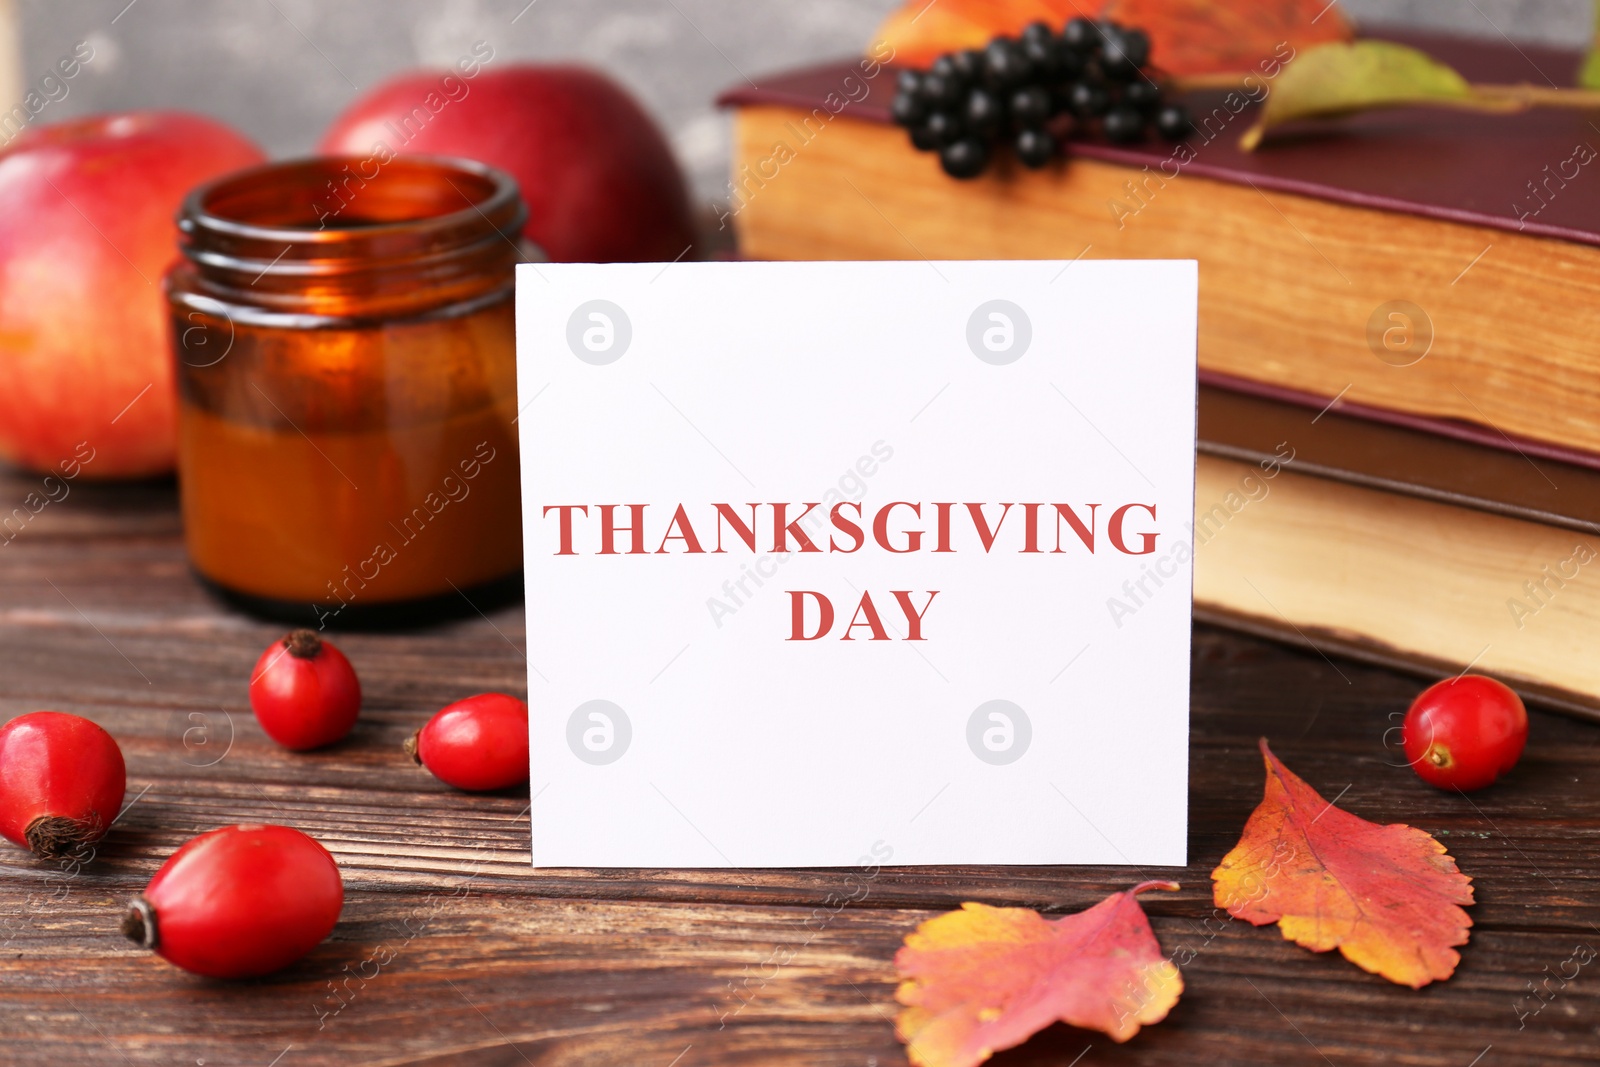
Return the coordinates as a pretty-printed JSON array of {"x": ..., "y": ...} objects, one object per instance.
[
  {"x": 1187, "y": 36},
  {"x": 921, "y": 32},
  {"x": 983, "y": 979},
  {"x": 1387, "y": 897},
  {"x": 1212, "y": 36}
]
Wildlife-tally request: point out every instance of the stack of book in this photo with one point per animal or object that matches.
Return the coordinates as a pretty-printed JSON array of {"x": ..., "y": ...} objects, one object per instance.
[{"x": 1399, "y": 341}]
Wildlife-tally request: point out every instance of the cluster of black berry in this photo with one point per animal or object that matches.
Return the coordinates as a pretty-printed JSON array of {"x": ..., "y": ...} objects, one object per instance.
[{"x": 1033, "y": 89}]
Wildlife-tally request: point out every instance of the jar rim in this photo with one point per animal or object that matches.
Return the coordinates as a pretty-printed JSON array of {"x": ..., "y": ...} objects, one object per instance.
[
  {"x": 413, "y": 234},
  {"x": 497, "y": 208}
]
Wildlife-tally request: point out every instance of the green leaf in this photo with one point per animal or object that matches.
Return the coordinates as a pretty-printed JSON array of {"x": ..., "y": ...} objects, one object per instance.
[
  {"x": 1335, "y": 79},
  {"x": 1589, "y": 76}
]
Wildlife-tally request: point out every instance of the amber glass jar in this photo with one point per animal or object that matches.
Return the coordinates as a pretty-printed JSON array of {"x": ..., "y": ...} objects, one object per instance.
[{"x": 344, "y": 335}]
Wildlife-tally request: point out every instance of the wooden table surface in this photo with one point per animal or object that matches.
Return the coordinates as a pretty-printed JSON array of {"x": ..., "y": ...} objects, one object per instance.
[{"x": 452, "y": 950}]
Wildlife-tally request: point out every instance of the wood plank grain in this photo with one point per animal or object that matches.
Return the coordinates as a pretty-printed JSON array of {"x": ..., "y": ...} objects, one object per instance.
[{"x": 569, "y": 982}]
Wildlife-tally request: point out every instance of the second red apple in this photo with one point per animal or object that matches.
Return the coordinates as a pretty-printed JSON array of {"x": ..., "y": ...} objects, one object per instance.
[{"x": 600, "y": 181}]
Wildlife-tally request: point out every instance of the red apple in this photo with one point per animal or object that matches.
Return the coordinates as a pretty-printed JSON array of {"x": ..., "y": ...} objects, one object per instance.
[
  {"x": 86, "y": 234},
  {"x": 600, "y": 182}
]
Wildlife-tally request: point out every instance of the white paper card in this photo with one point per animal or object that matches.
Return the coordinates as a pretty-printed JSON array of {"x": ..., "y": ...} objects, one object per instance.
[{"x": 1001, "y": 459}]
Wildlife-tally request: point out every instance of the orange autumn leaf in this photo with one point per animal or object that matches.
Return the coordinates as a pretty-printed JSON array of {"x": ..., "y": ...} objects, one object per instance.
[
  {"x": 983, "y": 979},
  {"x": 1210, "y": 36},
  {"x": 1188, "y": 36},
  {"x": 1387, "y": 897},
  {"x": 920, "y": 32}
]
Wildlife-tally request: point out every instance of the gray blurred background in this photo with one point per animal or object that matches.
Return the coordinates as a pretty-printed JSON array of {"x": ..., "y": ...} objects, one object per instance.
[{"x": 280, "y": 69}]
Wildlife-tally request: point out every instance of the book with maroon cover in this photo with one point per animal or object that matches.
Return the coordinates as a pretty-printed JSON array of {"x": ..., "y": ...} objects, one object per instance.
[
  {"x": 1430, "y": 267},
  {"x": 1432, "y": 506}
]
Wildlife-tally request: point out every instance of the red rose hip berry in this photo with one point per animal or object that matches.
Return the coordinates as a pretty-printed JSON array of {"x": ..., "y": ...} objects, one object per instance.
[
  {"x": 1463, "y": 733},
  {"x": 304, "y": 692},
  {"x": 475, "y": 744},
  {"x": 239, "y": 902},
  {"x": 61, "y": 782}
]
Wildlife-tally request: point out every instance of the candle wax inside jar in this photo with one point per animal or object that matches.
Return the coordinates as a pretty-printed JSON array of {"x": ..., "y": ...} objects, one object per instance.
[
  {"x": 362, "y": 517},
  {"x": 353, "y": 466}
]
